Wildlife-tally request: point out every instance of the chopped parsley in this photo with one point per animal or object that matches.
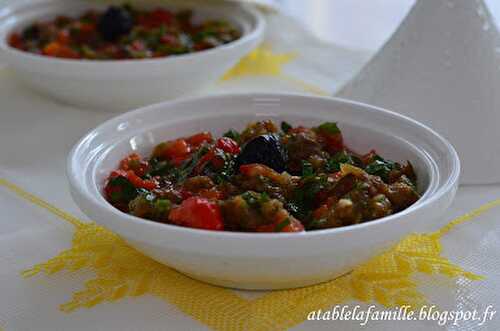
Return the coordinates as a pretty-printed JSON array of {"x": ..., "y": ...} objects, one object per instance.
[
  {"x": 381, "y": 167},
  {"x": 285, "y": 127},
  {"x": 333, "y": 164},
  {"x": 307, "y": 169},
  {"x": 233, "y": 134},
  {"x": 127, "y": 191},
  {"x": 329, "y": 127},
  {"x": 188, "y": 166}
]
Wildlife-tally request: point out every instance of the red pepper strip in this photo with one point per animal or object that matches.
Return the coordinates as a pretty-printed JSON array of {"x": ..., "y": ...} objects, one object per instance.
[{"x": 141, "y": 183}]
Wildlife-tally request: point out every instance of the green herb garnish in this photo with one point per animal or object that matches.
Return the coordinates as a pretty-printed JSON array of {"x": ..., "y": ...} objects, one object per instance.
[
  {"x": 285, "y": 127},
  {"x": 233, "y": 134},
  {"x": 333, "y": 164},
  {"x": 304, "y": 196},
  {"x": 228, "y": 169},
  {"x": 188, "y": 166},
  {"x": 329, "y": 127},
  {"x": 127, "y": 191},
  {"x": 159, "y": 168},
  {"x": 307, "y": 169},
  {"x": 254, "y": 199},
  {"x": 381, "y": 167}
]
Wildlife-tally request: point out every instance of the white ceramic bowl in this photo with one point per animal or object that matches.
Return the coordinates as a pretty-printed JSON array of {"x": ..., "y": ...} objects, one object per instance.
[
  {"x": 262, "y": 260},
  {"x": 124, "y": 84}
]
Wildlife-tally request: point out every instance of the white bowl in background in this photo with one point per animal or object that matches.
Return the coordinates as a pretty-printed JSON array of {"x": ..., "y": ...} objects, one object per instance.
[
  {"x": 125, "y": 84},
  {"x": 264, "y": 260}
]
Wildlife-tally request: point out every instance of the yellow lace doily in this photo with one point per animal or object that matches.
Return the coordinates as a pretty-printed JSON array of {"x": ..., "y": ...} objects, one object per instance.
[{"x": 122, "y": 271}]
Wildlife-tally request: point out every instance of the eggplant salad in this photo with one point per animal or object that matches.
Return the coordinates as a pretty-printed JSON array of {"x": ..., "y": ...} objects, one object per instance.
[
  {"x": 123, "y": 32},
  {"x": 263, "y": 179}
]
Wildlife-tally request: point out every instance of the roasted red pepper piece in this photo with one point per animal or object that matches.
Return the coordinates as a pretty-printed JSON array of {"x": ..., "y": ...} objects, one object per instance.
[
  {"x": 134, "y": 179},
  {"x": 199, "y": 213},
  {"x": 57, "y": 49},
  {"x": 141, "y": 183},
  {"x": 228, "y": 145},
  {"x": 177, "y": 151},
  {"x": 199, "y": 138}
]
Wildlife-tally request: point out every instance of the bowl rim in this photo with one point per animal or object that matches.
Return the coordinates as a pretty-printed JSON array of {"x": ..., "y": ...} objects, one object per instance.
[
  {"x": 256, "y": 31},
  {"x": 103, "y": 206}
]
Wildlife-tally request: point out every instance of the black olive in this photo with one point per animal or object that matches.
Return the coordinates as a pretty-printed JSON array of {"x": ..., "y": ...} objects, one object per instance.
[
  {"x": 265, "y": 149},
  {"x": 115, "y": 22},
  {"x": 33, "y": 32}
]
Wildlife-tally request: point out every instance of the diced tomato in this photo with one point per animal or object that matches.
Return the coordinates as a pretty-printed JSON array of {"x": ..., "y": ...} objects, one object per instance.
[
  {"x": 56, "y": 49},
  {"x": 199, "y": 213},
  {"x": 321, "y": 212},
  {"x": 87, "y": 28},
  {"x": 135, "y": 163},
  {"x": 199, "y": 138},
  {"x": 294, "y": 226},
  {"x": 175, "y": 149},
  {"x": 143, "y": 20},
  {"x": 161, "y": 16},
  {"x": 185, "y": 194},
  {"x": 228, "y": 145},
  {"x": 156, "y": 18},
  {"x": 16, "y": 41},
  {"x": 84, "y": 32},
  {"x": 169, "y": 39},
  {"x": 138, "y": 45},
  {"x": 217, "y": 162},
  {"x": 286, "y": 223},
  {"x": 334, "y": 143},
  {"x": 63, "y": 37}
]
